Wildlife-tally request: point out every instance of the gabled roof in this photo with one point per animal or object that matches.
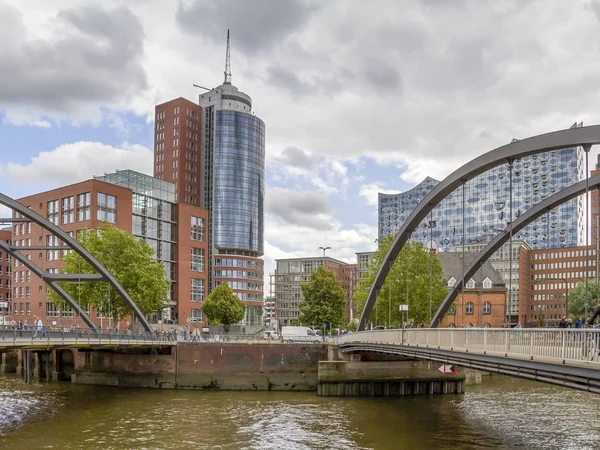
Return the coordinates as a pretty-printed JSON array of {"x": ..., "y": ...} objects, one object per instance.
[{"x": 453, "y": 267}]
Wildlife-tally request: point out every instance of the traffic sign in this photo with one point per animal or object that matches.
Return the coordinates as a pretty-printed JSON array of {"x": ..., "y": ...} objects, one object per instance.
[
  {"x": 3, "y": 304},
  {"x": 324, "y": 325},
  {"x": 448, "y": 369},
  {"x": 403, "y": 307}
]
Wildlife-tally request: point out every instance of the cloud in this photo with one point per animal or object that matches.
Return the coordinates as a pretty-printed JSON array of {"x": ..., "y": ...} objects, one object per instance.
[
  {"x": 371, "y": 192},
  {"x": 309, "y": 209},
  {"x": 255, "y": 26},
  {"x": 91, "y": 57},
  {"x": 296, "y": 157},
  {"x": 78, "y": 161}
]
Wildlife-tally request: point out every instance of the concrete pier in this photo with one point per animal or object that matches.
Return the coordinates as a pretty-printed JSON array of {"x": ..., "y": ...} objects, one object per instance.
[{"x": 386, "y": 379}]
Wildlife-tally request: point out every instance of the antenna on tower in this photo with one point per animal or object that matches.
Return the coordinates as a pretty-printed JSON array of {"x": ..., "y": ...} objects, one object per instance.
[{"x": 227, "y": 63}]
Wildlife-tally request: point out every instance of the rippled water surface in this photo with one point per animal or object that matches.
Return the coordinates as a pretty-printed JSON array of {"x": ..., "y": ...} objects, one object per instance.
[{"x": 503, "y": 413}]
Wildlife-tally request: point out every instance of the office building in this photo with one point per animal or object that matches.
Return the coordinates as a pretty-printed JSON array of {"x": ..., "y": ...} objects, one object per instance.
[
  {"x": 553, "y": 273},
  {"x": 363, "y": 264},
  {"x": 134, "y": 202},
  {"x": 215, "y": 154},
  {"x": 269, "y": 318},
  {"x": 347, "y": 276},
  {"x": 487, "y": 204},
  {"x": 290, "y": 275}
]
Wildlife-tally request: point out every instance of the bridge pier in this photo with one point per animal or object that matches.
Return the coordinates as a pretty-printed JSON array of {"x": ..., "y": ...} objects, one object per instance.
[
  {"x": 386, "y": 379},
  {"x": 9, "y": 363}
]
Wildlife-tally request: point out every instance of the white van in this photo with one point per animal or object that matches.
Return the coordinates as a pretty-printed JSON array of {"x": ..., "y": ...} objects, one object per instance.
[{"x": 299, "y": 334}]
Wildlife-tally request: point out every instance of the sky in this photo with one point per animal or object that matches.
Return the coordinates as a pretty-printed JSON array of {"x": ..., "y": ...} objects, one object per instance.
[{"x": 358, "y": 96}]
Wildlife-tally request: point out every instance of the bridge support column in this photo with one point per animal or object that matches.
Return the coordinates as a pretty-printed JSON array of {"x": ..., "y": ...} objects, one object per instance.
[
  {"x": 9, "y": 363},
  {"x": 20, "y": 362},
  {"x": 386, "y": 379},
  {"x": 28, "y": 365}
]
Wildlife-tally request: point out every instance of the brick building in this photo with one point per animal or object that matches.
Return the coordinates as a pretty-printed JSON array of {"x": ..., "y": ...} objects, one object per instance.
[
  {"x": 134, "y": 202},
  {"x": 5, "y": 275},
  {"x": 482, "y": 303},
  {"x": 553, "y": 272}
]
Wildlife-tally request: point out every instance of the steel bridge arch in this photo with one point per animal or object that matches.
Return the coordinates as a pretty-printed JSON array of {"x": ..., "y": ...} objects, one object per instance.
[
  {"x": 500, "y": 239},
  {"x": 71, "y": 244},
  {"x": 572, "y": 137}
]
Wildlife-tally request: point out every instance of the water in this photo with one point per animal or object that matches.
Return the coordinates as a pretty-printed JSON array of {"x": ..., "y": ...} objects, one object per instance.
[{"x": 503, "y": 413}]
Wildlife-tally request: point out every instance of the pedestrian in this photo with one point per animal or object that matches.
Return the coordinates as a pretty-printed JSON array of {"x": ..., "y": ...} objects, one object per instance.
[
  {"x": 37, "y": 327},
  {"x": 578, "y": 323},
  {"x": 564, "y": 323}
]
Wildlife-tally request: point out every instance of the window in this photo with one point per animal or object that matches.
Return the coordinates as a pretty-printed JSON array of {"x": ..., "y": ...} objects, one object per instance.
[
  {"x": 197, "y": 229},
  {"x": 452, "y": 310},
  {"x": 197, "y": 259},
  {"x": 53, "y": 211},
  {"x": 471, "y": 284},
  {"x": 28, "y": 292},
  {"x": 487, "y": 283},
  {"x": 83, "y": 207},
  {"x": 196, "y": 315},
  {"x": 51, "y": 310},
  {"x": 28, "y": 308},
  {"x": 487, "y": 308},
  {"x": 197, "y": 290},
  {"x": 107, "y": 208},
  {"x": 451, "y": 282},
  {"x": 67, "y": 311},
  {"x": 52, "y": 255},
  {"x": 68, "y": 210},
  {"x": 469, "y": 307}
]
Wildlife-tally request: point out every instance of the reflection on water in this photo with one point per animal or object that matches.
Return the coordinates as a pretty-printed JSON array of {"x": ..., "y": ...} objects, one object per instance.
[{"x": 503, "y": 413}]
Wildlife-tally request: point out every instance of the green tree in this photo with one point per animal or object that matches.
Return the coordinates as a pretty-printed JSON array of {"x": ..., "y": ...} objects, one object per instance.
[
  {"x": 352, "y": 325},
  {"x": 324, "y": 300},
  {"x": 223, "y": 307},
  {"x": 129, "y": 260},
  {"x": 577, "y": 299},
  {"x": 413, "y": 266}
]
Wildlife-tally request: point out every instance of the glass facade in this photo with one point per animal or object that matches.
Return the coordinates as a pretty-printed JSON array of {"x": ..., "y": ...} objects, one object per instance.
[
  {"x": 238, "y": 182},
  {"x": 487, "y": 204},
  {"x": 153, "y": 215}
]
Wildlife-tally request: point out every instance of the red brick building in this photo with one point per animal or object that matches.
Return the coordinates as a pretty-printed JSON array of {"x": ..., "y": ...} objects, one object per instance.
[
  {"x": 5, "y": 275},
  {"x": 133, "y": 202}
]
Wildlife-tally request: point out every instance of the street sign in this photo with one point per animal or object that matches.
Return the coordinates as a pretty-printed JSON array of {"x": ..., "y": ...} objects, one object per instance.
[
  {"x": 448, "y": 369},
  {"x": 403, "y": 307},
  {"x": 324, "y": 325},
  {"x": 3, "y": 304}
]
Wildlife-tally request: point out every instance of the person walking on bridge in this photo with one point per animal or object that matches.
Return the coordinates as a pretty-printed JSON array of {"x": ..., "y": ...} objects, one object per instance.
[{"x": 37, "y": 327}]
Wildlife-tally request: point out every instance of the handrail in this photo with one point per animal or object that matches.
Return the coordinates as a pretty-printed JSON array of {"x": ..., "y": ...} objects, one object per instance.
[{"x": 556, "y": 345}]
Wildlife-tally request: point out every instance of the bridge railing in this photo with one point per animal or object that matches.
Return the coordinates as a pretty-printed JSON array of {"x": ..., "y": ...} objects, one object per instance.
[{"x": 560, "y": 344}]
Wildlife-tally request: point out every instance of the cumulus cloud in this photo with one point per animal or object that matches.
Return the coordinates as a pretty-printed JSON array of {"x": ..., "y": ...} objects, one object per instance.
[
  {"x": 371, "y": 192},
  {"x": 256, "y": 25},
  {"x": 91, "y": 57},
  {"x": 78, "y": 161},
  {"x": 309, "y": 209}
]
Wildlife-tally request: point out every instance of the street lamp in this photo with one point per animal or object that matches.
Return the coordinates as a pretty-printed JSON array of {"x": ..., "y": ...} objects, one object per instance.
[
  {"x": 324, "y": 250},
  {"x": 564, "y": 280}
]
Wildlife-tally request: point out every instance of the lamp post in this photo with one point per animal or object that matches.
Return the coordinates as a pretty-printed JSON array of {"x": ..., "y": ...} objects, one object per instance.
[
  {"x": 564, "y": 280},
  {"x": 324, "y": 250}
]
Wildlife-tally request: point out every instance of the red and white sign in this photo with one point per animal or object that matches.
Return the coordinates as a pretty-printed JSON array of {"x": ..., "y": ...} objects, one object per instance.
[{"x": 448, "y": 369}]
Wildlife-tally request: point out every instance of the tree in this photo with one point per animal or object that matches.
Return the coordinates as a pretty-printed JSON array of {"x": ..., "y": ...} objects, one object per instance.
[
  {"x": 413, "y": 265},
  {"x": 352, "y": 325},
  {"x": 223, "y": 307},
  {"x": 324, "y": 300},
  {"x": 577, "y": 299},
  {"x": 129, "y": 260}
]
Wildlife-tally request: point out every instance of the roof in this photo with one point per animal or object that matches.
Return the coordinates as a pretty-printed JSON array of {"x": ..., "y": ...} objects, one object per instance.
[{"x": 452, "y": 263}]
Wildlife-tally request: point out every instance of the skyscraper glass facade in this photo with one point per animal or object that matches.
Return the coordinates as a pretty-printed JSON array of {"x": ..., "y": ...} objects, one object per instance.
[
  {"x": 152, "y": 215},
  {"x": 487, "y": 204},
  {"x": 238, "y": 182}
]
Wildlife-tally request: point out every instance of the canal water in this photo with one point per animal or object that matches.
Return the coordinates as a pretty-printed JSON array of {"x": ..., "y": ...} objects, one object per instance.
[{"x": 503, "y": 413}]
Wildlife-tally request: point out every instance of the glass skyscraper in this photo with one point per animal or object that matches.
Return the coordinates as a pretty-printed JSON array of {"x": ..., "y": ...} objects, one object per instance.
[
  {"x": 487, "y": 204},
  {"x": 233, "y": 187}
]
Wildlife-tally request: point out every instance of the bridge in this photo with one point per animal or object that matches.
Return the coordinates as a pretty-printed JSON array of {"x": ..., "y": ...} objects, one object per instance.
[{"x": 564, "y": 357}]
